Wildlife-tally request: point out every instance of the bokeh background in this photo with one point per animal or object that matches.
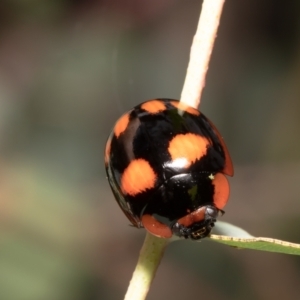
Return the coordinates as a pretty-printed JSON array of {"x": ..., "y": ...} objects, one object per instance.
[{"x": 68, "y": 70}]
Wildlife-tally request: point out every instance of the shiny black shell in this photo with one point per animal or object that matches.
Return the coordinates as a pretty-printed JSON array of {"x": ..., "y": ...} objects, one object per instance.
[{"x": 172, "y": 190}]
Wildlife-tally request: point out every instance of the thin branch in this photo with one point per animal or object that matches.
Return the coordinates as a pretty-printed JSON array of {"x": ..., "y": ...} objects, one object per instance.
[
  {"x": 149, "y": 259},
  {"x": 153, "y": 247},
  {"x": 201, "y": 52}
]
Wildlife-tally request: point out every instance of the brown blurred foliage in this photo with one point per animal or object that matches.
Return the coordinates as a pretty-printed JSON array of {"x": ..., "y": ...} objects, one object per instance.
[{"x": 68, "y": 69}]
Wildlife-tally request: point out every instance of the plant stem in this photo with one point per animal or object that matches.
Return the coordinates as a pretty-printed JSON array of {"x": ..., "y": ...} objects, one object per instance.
[
  {"x": 149, "y": 259},
  {"x": 153, "y": 247},
  {"x": 201, "y": 52}
]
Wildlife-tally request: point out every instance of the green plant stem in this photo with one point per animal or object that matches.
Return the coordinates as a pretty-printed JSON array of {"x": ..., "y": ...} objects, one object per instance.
[
  {"x": 201, "y": 50},
  {"x": 149, "y": 259},
  {"x": 153, "y": 247}
]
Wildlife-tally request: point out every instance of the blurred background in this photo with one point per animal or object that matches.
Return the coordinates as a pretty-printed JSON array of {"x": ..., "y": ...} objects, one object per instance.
[{"x": 68, "y": 70}]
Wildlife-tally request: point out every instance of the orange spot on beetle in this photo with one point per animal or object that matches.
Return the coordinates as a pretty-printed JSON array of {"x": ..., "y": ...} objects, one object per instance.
[
  {"x": 182, "y": 106},
  {"x": 153, "y": 107},
  {"x": 189, "y": 146},
  {"x": 221, "y": 193},
  {"x": 138, "y": 177},
  {"x": 193, "y": 217},
  {"x": 121, "y": 125},
  {"x": 155, "y": 227}
]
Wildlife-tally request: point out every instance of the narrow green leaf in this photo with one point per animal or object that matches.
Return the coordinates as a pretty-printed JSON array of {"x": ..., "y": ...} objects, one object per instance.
[
  {"x": 224, "y": 228},
  {"x": 243, "y": 240}
]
